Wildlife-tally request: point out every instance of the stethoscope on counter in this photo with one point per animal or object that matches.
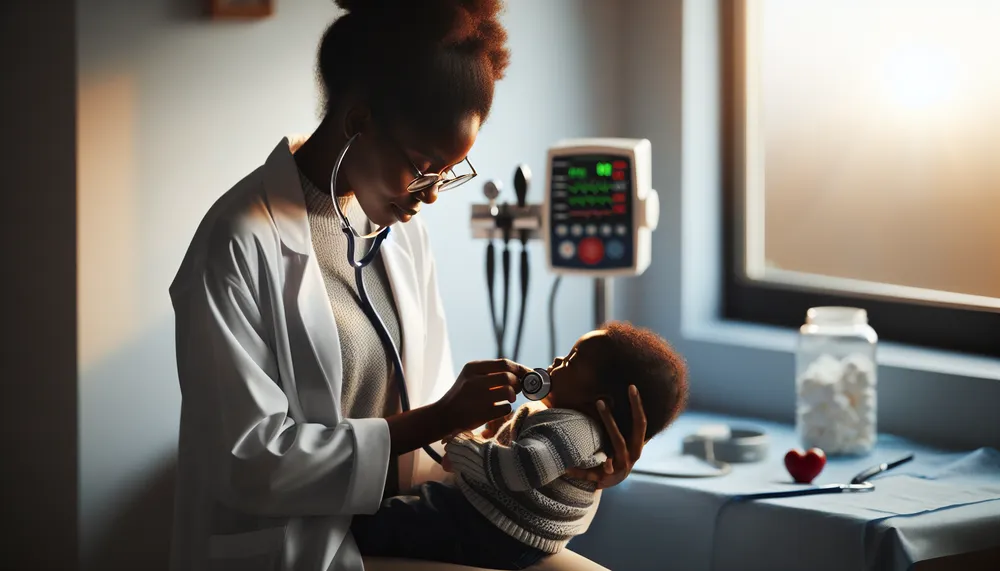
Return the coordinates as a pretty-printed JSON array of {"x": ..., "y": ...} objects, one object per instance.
[
  {"x": 535, "y": 385},
  {"x": 720, "y": 446}
]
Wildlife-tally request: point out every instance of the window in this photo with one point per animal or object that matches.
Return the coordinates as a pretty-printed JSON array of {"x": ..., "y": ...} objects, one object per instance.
[{"x": 862, "y": 165}]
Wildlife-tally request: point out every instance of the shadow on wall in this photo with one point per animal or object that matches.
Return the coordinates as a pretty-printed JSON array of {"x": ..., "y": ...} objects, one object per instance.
[
  {"x": 129, "y": 414},
  {"x": 138, "y": 535},
  {"x": 188, "y": 10}
]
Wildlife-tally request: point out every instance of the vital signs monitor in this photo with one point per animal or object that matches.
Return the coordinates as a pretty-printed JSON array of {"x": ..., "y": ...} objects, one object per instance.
[{"x": 600, "y": 208}]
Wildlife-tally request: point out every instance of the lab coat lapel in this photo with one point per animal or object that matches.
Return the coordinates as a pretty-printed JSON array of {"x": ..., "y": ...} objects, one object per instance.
[
  {"x": 313, "y": 339},
  {"x": 319, "y": 390}
]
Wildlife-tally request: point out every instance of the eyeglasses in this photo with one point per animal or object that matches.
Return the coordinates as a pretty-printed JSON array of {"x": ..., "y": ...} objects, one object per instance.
[{"x": 446, "y": 180}]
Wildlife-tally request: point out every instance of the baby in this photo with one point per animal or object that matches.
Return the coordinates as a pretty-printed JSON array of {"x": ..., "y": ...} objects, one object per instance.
[{"x": 510, "y": 502}]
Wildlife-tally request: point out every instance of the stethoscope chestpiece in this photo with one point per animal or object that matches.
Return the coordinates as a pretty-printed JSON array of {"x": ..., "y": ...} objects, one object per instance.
[{"x": 535, "y": 385}]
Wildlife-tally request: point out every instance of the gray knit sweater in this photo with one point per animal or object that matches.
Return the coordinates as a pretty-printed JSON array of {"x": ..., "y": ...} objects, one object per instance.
[
  {"x": 517, "y": 478},
  {"x": 369, "y": 386}
]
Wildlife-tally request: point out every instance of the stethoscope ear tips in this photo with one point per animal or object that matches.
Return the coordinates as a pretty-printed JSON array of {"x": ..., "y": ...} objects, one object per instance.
[{"x": 535, "y": 385}]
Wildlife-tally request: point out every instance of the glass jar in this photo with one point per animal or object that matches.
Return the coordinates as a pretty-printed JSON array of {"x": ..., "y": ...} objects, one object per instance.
[{"x": 836, "y": 380}]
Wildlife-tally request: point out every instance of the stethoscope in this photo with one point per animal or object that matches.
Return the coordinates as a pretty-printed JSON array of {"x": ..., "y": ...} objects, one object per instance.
[
  {"x": 535, "y": 384},
  {"x": 366, "y": 304}
]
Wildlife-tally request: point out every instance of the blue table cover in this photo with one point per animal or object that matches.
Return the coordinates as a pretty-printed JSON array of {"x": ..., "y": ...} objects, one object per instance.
[{"x": 941, "y": 503}]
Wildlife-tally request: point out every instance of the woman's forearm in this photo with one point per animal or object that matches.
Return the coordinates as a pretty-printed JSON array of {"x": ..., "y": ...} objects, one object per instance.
[{"x": 414, "y": 428}]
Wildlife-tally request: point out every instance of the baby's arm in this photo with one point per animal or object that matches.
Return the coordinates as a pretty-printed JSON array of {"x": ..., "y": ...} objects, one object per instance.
[{"x": 554, "y": 441}]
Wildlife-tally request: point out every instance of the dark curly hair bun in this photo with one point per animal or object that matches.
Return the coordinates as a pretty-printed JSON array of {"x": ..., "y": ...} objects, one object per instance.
[{"x": 429, "y": 59}]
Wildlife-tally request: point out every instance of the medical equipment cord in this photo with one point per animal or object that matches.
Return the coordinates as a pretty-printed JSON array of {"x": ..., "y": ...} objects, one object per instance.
[
  {"x": 366, "y": 303},
  {"x": 552, "y": 316},
  {"x": 491, "y": 269},
  {"x": 506, "y": 289}
]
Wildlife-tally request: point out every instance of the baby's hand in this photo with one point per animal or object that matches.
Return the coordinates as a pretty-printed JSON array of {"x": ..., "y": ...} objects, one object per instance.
[
  {"x": 451, "y": 436},
  {"x": 494, "y": 425}
]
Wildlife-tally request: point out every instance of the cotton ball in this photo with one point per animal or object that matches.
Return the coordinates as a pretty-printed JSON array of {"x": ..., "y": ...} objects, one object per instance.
[
  {"x": 826, "y": 368},
  {"x": 843, "y": 412},
  {"x": 821, "y": 416},
  {"x": 823, "y": 437},
  {"x": 860, "y": 363},
  {"x": 864, "y": 402},
  {"x": 813, "y": 391},
  {"x": 857, "y": 374},
  {"x": 836, "y": 403},
  {"x": 821, "y": 380}
]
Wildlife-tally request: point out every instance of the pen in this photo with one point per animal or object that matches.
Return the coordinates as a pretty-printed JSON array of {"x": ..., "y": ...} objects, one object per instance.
[{"x": 875, "y": 470}]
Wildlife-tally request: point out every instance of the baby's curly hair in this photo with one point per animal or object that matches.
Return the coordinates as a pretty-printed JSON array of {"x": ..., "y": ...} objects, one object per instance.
[
  {"x": 428, "y": 62},
  {"x": 638, "y": 356}
]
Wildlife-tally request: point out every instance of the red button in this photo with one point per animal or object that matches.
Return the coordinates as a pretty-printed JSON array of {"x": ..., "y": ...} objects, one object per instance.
[{"x": 591, "y": 250}]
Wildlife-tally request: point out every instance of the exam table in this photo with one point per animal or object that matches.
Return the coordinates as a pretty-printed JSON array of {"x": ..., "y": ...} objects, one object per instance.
[{"x": 942, "y": 507}]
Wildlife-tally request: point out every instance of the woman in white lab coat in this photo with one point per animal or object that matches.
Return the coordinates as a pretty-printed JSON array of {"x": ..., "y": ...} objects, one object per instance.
[{"x": 291, "y": 419}]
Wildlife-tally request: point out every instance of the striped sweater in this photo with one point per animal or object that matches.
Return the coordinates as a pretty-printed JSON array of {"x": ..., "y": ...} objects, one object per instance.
[{"x": 516, "y": 479}]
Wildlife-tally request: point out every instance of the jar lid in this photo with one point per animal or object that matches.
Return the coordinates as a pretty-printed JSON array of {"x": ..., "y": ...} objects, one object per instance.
[{"x": 833, "y": 315}]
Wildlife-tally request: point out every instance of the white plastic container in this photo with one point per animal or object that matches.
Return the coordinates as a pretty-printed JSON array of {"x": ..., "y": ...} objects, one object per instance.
[{"x": 836, "y": 380}]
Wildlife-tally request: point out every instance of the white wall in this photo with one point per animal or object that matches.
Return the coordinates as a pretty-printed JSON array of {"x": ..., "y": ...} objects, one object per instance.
[{"x": 173, "y": 110}]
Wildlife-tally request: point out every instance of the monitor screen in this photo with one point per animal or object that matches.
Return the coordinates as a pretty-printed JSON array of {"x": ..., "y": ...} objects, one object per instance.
[{"x": 591, "y": 211}]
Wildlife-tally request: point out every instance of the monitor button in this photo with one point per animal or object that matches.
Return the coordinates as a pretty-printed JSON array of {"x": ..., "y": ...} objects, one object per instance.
[
  {"x": 621, "y": 230},
  {"x": 576, "y": 230},
  {"x": 605, "y": 229},
  {"x": 615, "y": 249},
  {"x": 561, "y": 230},
  {"x": 566, "y": 250},
  {"x": 591, "y": 250}
]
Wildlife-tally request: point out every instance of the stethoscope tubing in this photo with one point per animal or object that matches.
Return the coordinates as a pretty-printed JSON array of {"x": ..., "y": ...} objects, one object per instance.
[{"x": 366, "y": 304}]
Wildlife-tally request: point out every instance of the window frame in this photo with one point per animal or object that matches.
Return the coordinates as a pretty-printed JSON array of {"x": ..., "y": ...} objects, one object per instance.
[{"x": 912, "y": 322}]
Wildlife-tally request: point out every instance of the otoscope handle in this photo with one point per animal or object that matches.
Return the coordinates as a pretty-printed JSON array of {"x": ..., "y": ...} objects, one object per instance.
[
  {"x": 522, "y": 177},
  {"x": 524, "y": 303}
]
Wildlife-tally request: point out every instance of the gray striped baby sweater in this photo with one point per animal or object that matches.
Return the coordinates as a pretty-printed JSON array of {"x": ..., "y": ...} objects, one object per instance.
[{"x": 516, "y": 479}]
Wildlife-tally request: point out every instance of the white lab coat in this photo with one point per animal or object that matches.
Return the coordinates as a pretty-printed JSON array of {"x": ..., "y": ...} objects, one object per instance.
[{"x": 269, "y": 470}]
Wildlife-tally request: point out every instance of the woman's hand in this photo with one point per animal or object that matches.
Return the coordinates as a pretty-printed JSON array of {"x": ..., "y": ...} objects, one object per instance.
[
  {"x": 616, "y": 469},
  {"x": 472, "y": 400}
]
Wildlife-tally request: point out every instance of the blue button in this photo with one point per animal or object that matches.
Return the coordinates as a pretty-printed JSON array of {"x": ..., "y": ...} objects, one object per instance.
[{"x": 614, "y": 249}]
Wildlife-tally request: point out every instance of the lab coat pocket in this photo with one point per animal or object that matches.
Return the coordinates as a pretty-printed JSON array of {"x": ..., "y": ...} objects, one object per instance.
[{"x": 259, "y": 550}]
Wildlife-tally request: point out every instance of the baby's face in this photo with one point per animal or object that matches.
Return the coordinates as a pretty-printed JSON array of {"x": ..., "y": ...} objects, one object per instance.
[{"x": 574, "y": 377}]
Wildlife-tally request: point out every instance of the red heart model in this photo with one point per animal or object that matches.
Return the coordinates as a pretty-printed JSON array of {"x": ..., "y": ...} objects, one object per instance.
[{"x": 805, "y": 466}]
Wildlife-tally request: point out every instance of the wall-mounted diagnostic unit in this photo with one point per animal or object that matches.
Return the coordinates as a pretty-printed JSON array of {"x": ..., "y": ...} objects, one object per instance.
[{"x": 600, "y": 208}]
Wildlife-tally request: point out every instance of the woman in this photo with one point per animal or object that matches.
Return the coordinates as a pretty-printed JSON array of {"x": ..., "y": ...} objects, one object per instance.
[{"x": 291, "y": 419}]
